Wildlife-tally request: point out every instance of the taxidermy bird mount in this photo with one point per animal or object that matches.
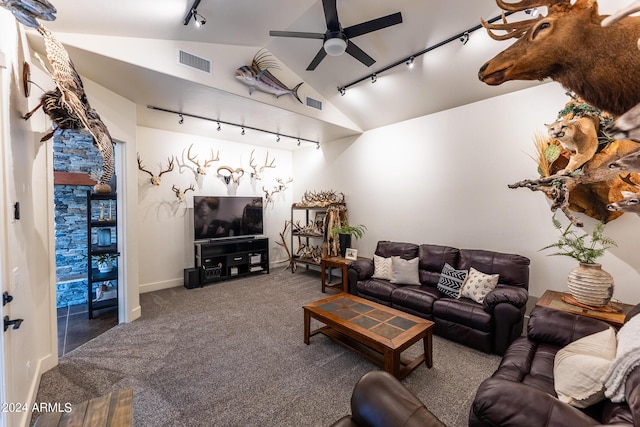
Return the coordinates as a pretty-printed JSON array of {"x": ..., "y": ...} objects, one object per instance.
[
  {"x": 67, "y": 105},
  {"x": 257, "y": 76},
  {"x": 337, "y": 40}
]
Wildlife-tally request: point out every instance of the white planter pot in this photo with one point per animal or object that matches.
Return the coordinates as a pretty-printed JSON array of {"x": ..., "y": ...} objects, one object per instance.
[
  {"x": 590, "y": 285},
  {"x": 105, "y": 267}
]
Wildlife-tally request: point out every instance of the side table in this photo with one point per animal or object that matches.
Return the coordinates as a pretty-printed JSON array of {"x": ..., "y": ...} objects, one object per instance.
[
  {"x": 614, "y": 316},
  {"x": 338, "y": 262}
]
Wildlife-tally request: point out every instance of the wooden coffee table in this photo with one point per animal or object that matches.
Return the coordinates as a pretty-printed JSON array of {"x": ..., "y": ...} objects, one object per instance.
[{"x": 376, "y": 332}]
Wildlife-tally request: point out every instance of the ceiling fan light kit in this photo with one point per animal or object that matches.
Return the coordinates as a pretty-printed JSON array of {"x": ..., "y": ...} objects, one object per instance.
[
  {"x": 337, "y": 40},
  {"x": 335, "y": 46}
]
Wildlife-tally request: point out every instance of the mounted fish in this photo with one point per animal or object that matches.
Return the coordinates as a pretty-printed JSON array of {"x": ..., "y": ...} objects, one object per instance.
[
  {"x": 26, "y": 11},
  {"x": 257, "y": 76}
]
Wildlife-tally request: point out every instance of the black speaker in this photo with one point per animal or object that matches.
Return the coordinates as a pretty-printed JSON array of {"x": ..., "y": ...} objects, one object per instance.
[{"x": 191, "y": 278}]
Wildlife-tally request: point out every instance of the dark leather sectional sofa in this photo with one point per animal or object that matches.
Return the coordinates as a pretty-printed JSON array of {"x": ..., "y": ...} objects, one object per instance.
[
  {"x": 522, "y": 391},
  {"x": 489, "y": 327}
]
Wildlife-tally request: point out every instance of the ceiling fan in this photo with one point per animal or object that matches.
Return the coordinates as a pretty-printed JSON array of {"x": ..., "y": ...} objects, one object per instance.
[{"x": 336, "y": 40}]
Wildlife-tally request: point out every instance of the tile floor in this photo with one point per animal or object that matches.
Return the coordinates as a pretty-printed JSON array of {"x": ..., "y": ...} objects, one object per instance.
[{"x": 75, "y": 328}]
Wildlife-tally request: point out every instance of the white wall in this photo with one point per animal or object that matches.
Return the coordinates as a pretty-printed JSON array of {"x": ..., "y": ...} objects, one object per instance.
[
  {"x": 165, "y": 225},
  {"x": 443, "y": 179}
]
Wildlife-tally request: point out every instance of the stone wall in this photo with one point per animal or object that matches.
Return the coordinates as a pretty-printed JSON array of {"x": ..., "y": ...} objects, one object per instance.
[{"x": 73, "y": 151}]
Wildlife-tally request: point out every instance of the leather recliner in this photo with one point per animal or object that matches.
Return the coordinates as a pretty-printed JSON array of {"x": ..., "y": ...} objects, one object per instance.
[
  {"x": 521, "y": 391},
  {"x": 380, "y": 400}
]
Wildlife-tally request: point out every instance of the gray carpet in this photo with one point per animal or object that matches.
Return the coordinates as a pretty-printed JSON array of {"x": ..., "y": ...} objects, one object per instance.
[{"x": 231, "y": 354}]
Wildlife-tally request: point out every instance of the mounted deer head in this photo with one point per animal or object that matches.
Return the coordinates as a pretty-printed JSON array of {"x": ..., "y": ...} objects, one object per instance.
[
  {"x": 628, "y": 162},
  {"x": 283, "y": 186},
  {"x": 155, "y": 179},
  {"x": 630, "y": 201},
  {"x": 228, "y": 174},
  {"x": 257, "y": 171},
  {"x": 181, "y": 193},
  {"x": 600, "y": 64},
  {"x": 202, "y": 170}
]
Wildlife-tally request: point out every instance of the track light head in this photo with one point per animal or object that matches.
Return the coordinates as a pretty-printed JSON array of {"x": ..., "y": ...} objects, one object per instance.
[
  {"x": 219, "y": 128},
  {"x": 298, "y": 142},
  {"x": 374, "y": 78},
  {"x": 198, "y": 19},
  {"x": 317, "y": 145},
  {"x": 242, "y": 133},
  {"x": 464, "y": 38},
  {"x": 278, "y": 138},
  {"x": 342, "y": 90},
  {"x": 181, "y": 121},
  {"x": 410, "y": 62}
]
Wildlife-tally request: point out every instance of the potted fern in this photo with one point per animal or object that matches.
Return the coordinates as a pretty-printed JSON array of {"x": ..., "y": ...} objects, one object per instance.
[
  {"x": 345, "y": 232},
  {"x": 588, "y": 283}
]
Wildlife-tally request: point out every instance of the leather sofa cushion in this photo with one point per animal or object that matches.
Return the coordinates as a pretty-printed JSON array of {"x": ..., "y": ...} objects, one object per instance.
[
  {"x": 388, "y": 249},
  {"x": 416, "y": 298},
  {"x": 432, "y": 259},
  {"x": 463, "y": 311},
  {"x": 378, "y": 290},
  {"x": 513, "y": 269},
  {"x": 530, "y": 363}
]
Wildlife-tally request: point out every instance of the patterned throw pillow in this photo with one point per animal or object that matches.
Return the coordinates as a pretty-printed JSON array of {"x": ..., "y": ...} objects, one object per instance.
[
  {"x": 382, "y": 268},
  {"x": 404, "y": 272},
  {"x": 451, "y": 281},
  {"x": 477, "y": 285}
]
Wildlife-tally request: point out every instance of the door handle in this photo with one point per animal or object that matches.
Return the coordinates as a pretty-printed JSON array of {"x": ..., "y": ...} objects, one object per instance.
[
  {"x": 8, "y": 322},
  {"x": 6, "y": 298}
]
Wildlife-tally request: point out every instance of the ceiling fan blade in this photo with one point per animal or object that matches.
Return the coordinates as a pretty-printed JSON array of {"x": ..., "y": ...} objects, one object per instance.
[
  {"x": 373, "y": 25},
  {"x": 359, "y": 54},
  {"x": 331, "y": 15},
  {"x": 319, "y": 57},
  {"x": 297, "y": 34}
]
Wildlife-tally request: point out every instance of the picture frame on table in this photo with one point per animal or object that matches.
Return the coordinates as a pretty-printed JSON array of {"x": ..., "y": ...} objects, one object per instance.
[{"x": 351, "y": 254}]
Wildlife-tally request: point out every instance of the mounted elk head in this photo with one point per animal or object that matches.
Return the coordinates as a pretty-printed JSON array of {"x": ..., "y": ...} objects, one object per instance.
[
  {"x": 155, "y": 179},
  {"x": 228, "y": 174},
  {"x": 600, "y": 64},
  {"x": 202, "y": 170},
  {"x": 257, "y": 171},
  {"x": 181, "y": 193}
]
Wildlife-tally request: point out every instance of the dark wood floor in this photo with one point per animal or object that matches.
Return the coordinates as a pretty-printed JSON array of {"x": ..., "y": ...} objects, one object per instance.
[{"x": 75, "y": 328}]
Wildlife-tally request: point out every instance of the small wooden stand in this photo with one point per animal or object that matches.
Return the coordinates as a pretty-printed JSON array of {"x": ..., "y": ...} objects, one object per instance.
[{"x": 613, "y": 313}]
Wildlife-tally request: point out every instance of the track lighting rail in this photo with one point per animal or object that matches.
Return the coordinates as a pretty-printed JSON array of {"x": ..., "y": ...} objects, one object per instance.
[
  {"x": 463, "y": 37},
  {"x": 181, "y": 115}
]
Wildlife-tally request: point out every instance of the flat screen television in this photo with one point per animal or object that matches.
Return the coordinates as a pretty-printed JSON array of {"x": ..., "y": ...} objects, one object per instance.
[{"x": 223, "y": 217}]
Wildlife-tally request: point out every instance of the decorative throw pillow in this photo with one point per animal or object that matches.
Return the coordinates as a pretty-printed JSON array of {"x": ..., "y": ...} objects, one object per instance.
[
  {"x": 404, "y": 272},
  {"x": 382, "y": 268},
  {"x": 451, "y": 281},
  {"x": 477, "y": 285},
  {"x": 578, "y": 368}
]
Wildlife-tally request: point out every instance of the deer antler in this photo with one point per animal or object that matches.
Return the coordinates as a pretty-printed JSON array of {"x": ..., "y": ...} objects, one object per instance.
[
  {"x": 258, "y": 170},
  {"x": 202, "y": 169},
  {"x": 517, "y": 29},
  {"x": 155, "y": 179},
  {"x": 283, "y": 185},
  {"x": 181, "y": 193},
  {"x": 513, "y": 29}
]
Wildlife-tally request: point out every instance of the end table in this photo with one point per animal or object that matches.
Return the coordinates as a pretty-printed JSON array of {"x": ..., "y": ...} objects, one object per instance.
[
  {"x": 338, "y": 262},
  {"x": 614, "y": 316}
]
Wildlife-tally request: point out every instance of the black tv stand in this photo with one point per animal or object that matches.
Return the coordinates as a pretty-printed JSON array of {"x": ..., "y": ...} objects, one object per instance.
[{"x": 230, "y": 258}]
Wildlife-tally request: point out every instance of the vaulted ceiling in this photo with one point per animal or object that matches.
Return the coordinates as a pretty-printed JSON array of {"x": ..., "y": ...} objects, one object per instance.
[{"x": 130, "y": 47}]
